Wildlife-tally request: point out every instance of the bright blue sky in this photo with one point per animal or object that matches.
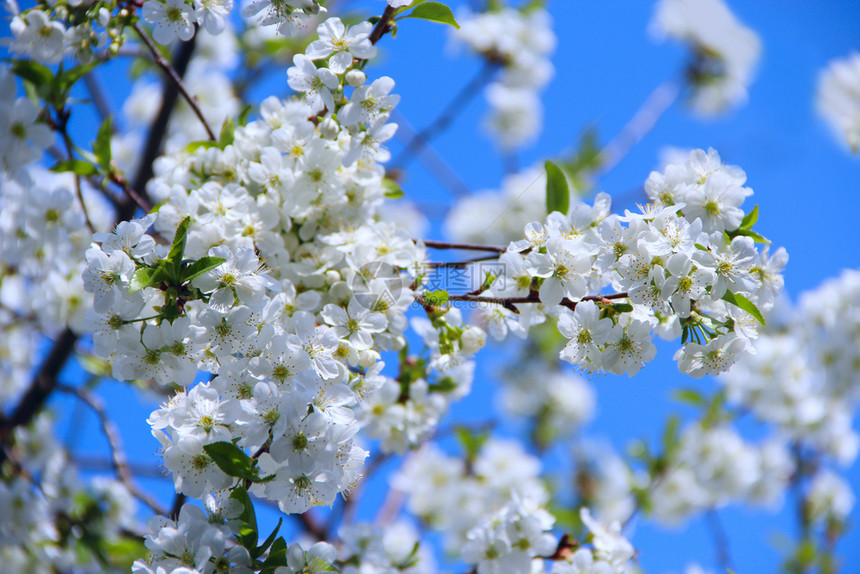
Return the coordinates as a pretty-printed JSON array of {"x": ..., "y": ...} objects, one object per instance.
[{"x": 606, "y": 65}]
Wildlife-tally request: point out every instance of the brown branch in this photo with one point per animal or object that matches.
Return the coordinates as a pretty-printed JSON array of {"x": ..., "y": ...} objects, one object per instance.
[
  {"x": 386, "y": 21},
  {"x": 435, "y": 163},
  {"x": 640, "y": 124},
  {"x": 45, "y": 380},
  {"x": 721, "y": 540},
  {"x": 98, "y": 95},
  {"x": 511, "y": 302},
  {"x": 175, "y": 77},
  {"x": 62, "y": 126},
  {"x": 117, "y": 455},
  {"x": 451, "y": 111},
  {"x": 465, "y": 246},
  {"x": 458, "y": 264}
]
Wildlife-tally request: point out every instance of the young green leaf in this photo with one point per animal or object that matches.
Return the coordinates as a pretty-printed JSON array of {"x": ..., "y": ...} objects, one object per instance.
[
  {"x": 231, "y": 459},
  {"x": 557, "y": 190},
  {"x": 750, "y": 219},
  {"x": 201, "y": 266},
  {"x": 247, "y": 535},
  {"x": 145, "y": 277},
  {"x": 177, "y": 249},
  {"x": 436, "y": 298},
  {"x": 749, "y": 233},
  {"x": 392, "y": 189},
  {"x": 256, "y": 553},
  {"x": 101, "y": 147},
  {"x": 77, "y": 166},
  {"x": 434, "y": 12},
  {"x": 33, "y": 72},
  {"x": 228, "y": 133},
  {"x": 689, "y": 396},
  {"x": 745, "y": 304}
]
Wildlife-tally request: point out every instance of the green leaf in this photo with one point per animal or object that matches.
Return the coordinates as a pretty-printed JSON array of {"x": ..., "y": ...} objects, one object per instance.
[
  {"x": 177, "y": 249},
  {"x": 749, "y": 233},
  {"x": 444, "y": 385},
  {"x": 205, "y": 144},
  {"x": 67, "y": 79},
  {"x": 557, "y": 190},
  {"x": 244, "y": 115},
  {"x": 268, "y": 542},
  {"x": 436, "y": 298},
  {"x": 392, "y": 189},
  {"x": 434, "y": 12},
  {"x": 33, "y": 72},
  {"x": 277, "y": 557},
  {"x": 231, "y": 459},
  {"x": 201, "y": 266},
  {"x": 77, "y": 166},
  {"x": 228, "y": 133},
  {"x": 101, "y": 147},
  {"x": 620, "y": 307},
  {"x": 745, "y": 304},
  {"x": 689, "y": 396},
  {"x": 750, "y": 219},
  {"x": 247, "y": 535},
  {"x": 715, "y": 410},
  {"x": 472, "y": 442},
  {"x": 671, "y": 436},
  {"x": 146, "y": 277}
]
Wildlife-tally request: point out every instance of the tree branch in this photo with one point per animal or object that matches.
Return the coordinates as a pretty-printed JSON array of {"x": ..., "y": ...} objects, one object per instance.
[
  {"x": 465, "y": 246},
  {"x": 511, "y": 302},
  {"x": 383, "y": 26},
  {"x": 45, "y": 380},
  {"x": 176, "y": 77},
  {"x": 118, "y": 460},
  {"x": 640, "y": 124},
  {"x": 721, "y": 540},
  {"x": 437, "y": 126}
]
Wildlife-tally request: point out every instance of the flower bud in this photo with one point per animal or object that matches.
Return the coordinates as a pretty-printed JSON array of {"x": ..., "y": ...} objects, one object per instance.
[
  {"x": 473, "y": 339},
  {"x": 368, "y": 358},
  {"x": 332, "y": 276},
  {"x": 355, "y": 78},
  {"x": 329, "y": 128}
]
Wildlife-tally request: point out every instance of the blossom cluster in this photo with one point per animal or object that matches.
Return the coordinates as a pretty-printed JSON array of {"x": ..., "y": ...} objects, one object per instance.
[
  {"x": 48, "y": 495},
  {"x": 50, "y": 32},
  {"x": 838, "y": 99},
  {"x": 493, "y": 513},
  {"x": 713, "y": 467},
  {"x": 498, "y": 216},
  {"x": 802, "y": 377},
  {"x": 725, "y": 52},
  {"x": 43, "y": 237},
  {"x": 281, "y": 283},
  {"x": 687, "y": 263},
  {"x": 521, "y": 41}
]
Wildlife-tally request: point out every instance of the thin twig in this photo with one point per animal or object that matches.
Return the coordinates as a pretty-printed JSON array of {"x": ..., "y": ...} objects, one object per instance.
[
  {"x": 465, "y": 246},
  {"x": 139, "y": 201},
  {"x": 642, "y": 122},
  {"x": 458, "y": 264},
  {"x": 98, "y": 95},
  {"x": 45, "y": 380},
  {"x": 117, "y": 455},
  {"x": 511, "y": 302},
  {"x": 721, "y": 540},
  {"x": 451, "y": 111},
  {"x": 175, "y": 77},
  {"x": 427, "y": 155}
]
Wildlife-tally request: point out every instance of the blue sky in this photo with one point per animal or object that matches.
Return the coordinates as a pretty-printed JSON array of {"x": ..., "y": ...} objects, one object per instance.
[{"x": 606, "y": 65}]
